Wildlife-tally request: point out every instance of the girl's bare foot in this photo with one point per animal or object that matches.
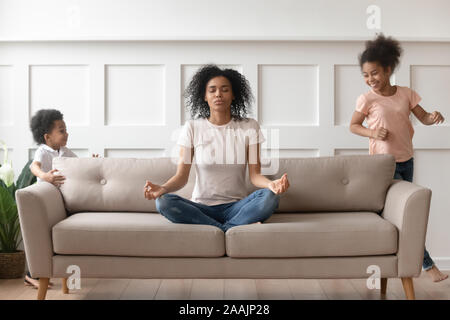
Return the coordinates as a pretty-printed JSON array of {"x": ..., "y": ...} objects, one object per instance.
[{"x": 436, "y": 274}]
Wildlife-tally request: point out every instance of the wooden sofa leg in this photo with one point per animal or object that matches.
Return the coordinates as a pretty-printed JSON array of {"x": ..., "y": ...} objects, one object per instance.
[
  {"x": 65, "y": 289},
  {"x": 383, "y": 285},
  {"x": 409, "y": 288},
  {"x": 42, "y": 290}
]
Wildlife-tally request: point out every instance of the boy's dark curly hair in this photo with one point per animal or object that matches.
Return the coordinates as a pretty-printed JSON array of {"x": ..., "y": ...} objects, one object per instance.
[
  {"x": 385, "y": 51},
  {"x": 195, "y": 92},
  {"x": 42, "y": 122}
]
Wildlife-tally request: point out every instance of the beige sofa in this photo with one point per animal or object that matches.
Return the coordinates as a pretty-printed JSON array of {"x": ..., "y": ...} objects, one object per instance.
[{"x": 340, "y": 215}]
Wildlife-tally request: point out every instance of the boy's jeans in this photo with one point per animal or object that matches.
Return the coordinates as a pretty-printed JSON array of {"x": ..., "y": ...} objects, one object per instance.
[
  {"x": 404, "y": 171},
  {"x": 258, "y": 206}
]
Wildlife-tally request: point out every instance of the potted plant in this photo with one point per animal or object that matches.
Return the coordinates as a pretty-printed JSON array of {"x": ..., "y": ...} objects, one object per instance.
[{"x": 12, "y": 260}]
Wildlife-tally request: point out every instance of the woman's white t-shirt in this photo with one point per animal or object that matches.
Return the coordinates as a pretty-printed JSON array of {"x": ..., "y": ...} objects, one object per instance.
[{"x": 220, "y": 158}]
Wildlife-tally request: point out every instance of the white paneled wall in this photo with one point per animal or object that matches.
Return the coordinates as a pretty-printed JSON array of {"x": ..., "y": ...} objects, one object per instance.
[
  {"x": 64, "y": 87},
  {"x": 344, "y": 98},
  {"x": 124, "y": 99},
  {"x": 288, "y": 95},
  {"x": 134, "y": 153},
  {"x": 6, "y": 102},
  {"x": 432, "y": 170},
  {"x": 233, "y": 19},
  {"x": 346, "y": 152},
  {"x": 134, "y": 95},
  {"x": 432, "y": 82}
]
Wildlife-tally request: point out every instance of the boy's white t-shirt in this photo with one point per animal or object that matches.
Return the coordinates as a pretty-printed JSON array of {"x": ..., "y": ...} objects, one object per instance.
[
  {"x": 45, "y": 154},
  {"x": 220, "y": 158}
]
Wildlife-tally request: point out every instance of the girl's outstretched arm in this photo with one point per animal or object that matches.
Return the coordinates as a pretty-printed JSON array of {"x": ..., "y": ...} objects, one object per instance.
[{"x": 427, "y": 118}]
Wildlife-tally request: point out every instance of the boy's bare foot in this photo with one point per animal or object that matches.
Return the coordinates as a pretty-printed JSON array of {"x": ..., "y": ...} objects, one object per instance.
[
  {"x": 436, "y": 274},
  {"x": 31, "y": 282},
  {"x": 34, "y": 282}
]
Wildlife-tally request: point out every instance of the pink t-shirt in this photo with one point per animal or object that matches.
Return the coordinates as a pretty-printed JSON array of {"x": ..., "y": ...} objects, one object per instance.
[{"x": 391, "y": 113}]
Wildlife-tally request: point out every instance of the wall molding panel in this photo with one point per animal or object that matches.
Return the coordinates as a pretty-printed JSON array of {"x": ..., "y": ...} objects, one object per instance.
[
  {"x": 125, "y": 99},
  {"x": 63, "y": 87}
]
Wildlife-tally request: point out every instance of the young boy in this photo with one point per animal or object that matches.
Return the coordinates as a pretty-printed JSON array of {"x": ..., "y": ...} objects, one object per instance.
[{"x": 49, "y": 132}]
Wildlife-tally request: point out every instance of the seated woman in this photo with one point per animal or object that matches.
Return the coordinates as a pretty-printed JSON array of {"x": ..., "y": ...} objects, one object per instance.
[{"x": 223, "y": 141}]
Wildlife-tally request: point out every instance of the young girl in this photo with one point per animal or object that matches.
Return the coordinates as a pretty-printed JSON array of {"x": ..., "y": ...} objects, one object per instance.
[{"x": 386, "y": 109}]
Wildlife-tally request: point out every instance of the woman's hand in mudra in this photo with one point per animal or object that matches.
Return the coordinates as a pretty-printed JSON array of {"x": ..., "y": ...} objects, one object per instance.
[
  {"x": 153, "y": 191},
  {"x": 280, "y": 185}
]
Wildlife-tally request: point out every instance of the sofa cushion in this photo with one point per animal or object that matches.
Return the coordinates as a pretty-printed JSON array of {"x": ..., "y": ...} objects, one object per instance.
[
  {"x": 314, "y": 235},
  {"x": 110, "y": 184},
  {"x": 135, "y": 234},
  {"x": 341, "y": 183}
]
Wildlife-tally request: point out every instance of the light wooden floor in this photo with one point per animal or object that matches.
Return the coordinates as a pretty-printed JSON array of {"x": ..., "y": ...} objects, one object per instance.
[{"x": 231, "y": 289}]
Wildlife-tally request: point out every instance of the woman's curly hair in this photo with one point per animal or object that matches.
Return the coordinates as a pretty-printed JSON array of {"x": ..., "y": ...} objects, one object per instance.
[
  {"x": 385, "y": 51},
  {"x": 195, "y": 92},
  {"x": 42, "y": 122}
]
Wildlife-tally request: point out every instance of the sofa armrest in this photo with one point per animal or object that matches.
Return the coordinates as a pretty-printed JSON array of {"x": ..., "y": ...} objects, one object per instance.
[
  {"x": 40, "y": 207},
  {"x": 407, "y": 207}
]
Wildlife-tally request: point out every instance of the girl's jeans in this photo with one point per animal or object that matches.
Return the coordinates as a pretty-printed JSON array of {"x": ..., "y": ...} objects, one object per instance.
[
  {"x": 258, "y": 206},
  {"x": 404, "y": 171}
]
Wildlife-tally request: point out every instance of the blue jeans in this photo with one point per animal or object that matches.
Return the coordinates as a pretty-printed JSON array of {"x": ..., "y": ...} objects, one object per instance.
[
  {"x": 404, "y": 171},
  {"x": 258, "y": 206}
]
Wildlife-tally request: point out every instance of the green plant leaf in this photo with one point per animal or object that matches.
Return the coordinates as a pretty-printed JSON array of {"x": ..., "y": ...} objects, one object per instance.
[
  {"x": 9, "y": 218},
  {"x": 9, "y": 221},
  {"x": 26, "y": 177}
]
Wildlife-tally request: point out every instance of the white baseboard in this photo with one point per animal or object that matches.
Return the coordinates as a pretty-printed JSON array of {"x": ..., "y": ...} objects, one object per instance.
[{"x": 443, "y": 263}]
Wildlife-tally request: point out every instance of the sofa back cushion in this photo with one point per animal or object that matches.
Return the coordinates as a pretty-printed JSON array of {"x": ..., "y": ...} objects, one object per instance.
[
  {"x": 112, "y": 184},
  {"x": 342, "y": 183}
]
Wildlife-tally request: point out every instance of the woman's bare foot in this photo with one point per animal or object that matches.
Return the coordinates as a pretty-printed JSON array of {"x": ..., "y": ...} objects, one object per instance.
[{"x": 436, "y": 274}]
